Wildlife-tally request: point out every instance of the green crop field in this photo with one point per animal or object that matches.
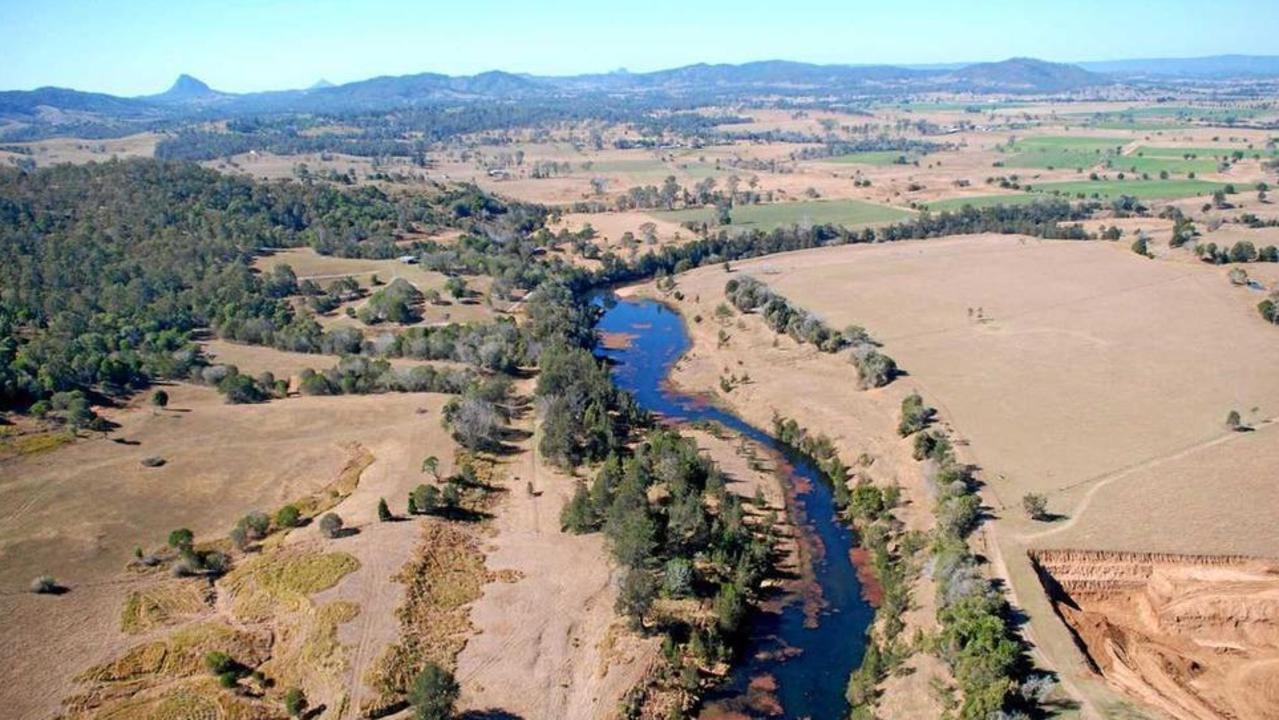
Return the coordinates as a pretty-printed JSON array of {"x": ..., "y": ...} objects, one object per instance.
[
  {"x": 1142, "y": 189},
  {"x": 1063, "y": 151},
  {"x": 981, "y": 201},
  {"x": 874, "y": 157},
  {"x": 815, "y": 212},
  {"x": 1137, "y": 163},
  {"x": 1210, "y": 153}
]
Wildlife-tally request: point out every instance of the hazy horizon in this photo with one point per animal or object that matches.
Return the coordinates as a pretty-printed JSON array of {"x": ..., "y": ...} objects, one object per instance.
[{"x": 139, "y": 48}]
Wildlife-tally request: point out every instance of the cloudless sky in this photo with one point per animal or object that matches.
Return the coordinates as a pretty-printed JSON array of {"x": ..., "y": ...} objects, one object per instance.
[{"x": 138, "y": 47}]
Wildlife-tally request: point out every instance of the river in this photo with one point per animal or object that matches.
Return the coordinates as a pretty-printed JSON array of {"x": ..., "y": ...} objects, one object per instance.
[{"x": 810, "y": 661}]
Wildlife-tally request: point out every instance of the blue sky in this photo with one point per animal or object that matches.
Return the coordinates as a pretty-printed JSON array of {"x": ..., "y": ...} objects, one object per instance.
[{"x": 139, "y": 47}]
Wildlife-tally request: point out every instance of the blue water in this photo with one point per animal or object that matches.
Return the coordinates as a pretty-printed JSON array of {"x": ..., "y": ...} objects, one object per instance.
[{"x": 811, "y": 682}]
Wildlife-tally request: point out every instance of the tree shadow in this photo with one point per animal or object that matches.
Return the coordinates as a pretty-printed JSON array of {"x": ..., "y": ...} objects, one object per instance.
[{"x": 490, "y": 714}]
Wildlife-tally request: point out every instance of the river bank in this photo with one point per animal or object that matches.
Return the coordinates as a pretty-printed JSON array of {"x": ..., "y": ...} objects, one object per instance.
[{"x": 767, "y": 375}]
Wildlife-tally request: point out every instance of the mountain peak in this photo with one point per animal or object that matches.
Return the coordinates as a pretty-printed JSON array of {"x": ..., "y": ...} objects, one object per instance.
[
  {"x": 321, "y": 84},
  {"x": 188, "y": 86}
]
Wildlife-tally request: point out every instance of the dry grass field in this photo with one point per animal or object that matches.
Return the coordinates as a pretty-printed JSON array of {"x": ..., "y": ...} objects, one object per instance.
[
  {"x": 76, "y": 150},
  {"x": 1049, "y": 360},
  {"x": 78, "y": 512},
  {"x": 323, "y": 269}
]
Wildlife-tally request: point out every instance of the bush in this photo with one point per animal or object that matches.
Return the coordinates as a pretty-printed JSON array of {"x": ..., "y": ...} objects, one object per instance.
[
  {"x": 915, "y": 415},
  {"x": 383, "y": 511},
  {"x": 295, "y": 702},
  {"x": 331, "y": 525},
  {"x": 1234, "y": 423},
  {"x": 182, "y": 539},
  {"x": 426, "y": 498},
  {"x": 45, "y": 585},
  {"x": 874, "y": 369},
  {"x": 288, "y": 516},
  {"x": 160, "y": 399},
  {"x": 434, "y": 693},
  {"x": 153, "y": 461},
  {"x": 1139, "y": 246},
  {"x": 219, "y": 662},
  {"x": 228, "y": 680},
  {"x": 1035, "y": 505}
]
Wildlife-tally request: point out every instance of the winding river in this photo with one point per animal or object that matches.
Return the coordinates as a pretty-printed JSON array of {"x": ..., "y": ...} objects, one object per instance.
[{"x": 809, "y": 661}]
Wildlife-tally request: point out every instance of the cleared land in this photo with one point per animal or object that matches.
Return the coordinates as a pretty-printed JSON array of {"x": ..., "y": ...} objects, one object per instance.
[
  {"x": 78, "y": 512},
  {"x": 818, "y": 212},
  {"x": 1058, "y": 383}
]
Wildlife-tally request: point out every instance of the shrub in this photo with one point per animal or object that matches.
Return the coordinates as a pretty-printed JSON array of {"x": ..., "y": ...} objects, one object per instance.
[
  {"x": 331, "y": 525},
  {"x": 288, "y": 516},
  {"x": 1035, "y": 505},
  {"x": 160, "y": 399},
  {"x": 44, "y": 585},
  {"x": 152, "y": 461},
  {"x": 257, "y": 524},
  {"x": 678, "y": 580},
  {"x": 434, "y": 693},
  {"x": 181, "y": 539},
  {"x": 295, "y": 702},
  {"x": 1234, "y": 423},
  {"x": 383, "y": 512},
  {"x": 915, "y": 415},
  {"x": 1139, "y": 246},
  {"x": 218, "y": 662},
  {"x": 239, "y": 537},
  {"x": 228, "y": 680},
  {"x": 874, "y": 369}
]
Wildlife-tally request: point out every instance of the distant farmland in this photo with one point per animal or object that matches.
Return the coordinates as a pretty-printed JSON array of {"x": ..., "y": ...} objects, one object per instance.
[
  {"x": 1142, "y": 189},
  {"x": 874, "y": 157},
  {"x": 1064, "y": 151},
  {"x": 981, "y": 201},
  {"x": 817, "y": 212}
]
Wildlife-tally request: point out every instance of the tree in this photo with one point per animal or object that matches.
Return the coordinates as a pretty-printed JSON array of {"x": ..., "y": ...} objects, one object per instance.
[
  {"x": 181, "y": 539},
  {"x": 331, "y": 525},
  {"x": 1035, "y": 505},
  {"x": 295, "y": 702},
  {"x": 432, "y": 465},
  {"x": 288, "y": 516},
  {"x": 160, "y": 399},
  {"x": 426, "y": 498},
  {"x": 434, "y": 693},
  {"x": 1234, "y": 423},
  {"x": 383, "y": 512},
  {"x": 578, "y": 514},
  {"x": 635, "y": 596}
]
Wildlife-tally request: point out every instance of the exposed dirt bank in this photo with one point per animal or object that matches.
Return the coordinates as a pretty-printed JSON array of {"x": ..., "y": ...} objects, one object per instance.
[{"x": 1196, "y": 636}]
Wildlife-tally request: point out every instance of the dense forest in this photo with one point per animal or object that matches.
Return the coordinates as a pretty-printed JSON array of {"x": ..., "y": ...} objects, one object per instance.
[{"x": 110, "y": 268}]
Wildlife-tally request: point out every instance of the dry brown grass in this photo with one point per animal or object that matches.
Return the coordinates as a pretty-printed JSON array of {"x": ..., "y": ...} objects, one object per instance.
[
  {"x": 163, "y": 604},
  {"x": 446, "y": 575},
  {"x": 280, "y": 581}
]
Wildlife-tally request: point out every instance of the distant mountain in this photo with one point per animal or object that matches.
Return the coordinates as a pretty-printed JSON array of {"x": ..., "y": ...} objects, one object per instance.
[
  {"x": 1216, "y": 66},
  {"x": 1027, "y": 75},
  {"x": 190, "y": 98},
  {"x": 321, "y": 84},
  {"x": 26, "y": 104}
]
